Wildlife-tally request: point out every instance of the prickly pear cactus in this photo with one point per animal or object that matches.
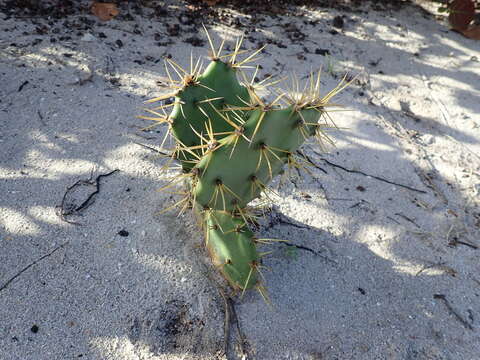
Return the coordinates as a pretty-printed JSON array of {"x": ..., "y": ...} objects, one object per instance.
[{"x": 231, "y": 144}]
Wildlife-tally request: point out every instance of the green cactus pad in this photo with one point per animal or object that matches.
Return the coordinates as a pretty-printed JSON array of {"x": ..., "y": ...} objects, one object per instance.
[
  {"x": 193, "y": 109},
  {"x": 231, "y": 247},
  {"x": 234, "y": 174},
  {"x": 231, "y": 145}
]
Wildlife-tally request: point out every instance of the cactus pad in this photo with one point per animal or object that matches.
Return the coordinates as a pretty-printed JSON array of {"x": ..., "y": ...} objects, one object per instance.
[{"x": 231, "y": 144}]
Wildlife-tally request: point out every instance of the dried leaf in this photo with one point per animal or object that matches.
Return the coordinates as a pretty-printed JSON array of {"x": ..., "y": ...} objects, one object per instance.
[
  {"x": 461, "y": 14},
  {"x": 104, "y": 11},
  {"x": 473, "y": 32}
]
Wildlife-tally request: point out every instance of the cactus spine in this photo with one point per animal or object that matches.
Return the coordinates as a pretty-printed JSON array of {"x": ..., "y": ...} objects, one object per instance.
[{"x": 231, "y": 144}]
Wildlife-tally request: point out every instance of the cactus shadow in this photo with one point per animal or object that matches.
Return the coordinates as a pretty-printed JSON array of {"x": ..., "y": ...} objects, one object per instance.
[{"x": 336, "y": 294}]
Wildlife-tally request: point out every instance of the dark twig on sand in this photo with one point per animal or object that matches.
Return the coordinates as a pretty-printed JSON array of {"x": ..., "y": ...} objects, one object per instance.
[
  {"x": 455, "y": 242},
  {"x": 280, "y": 219},
  {"x": 314, "y": 252},
  {"x": 226, "y": 325},
  {"x": 237, "y": 325},
  {"x": 9, "y": 281},
  {"x": 368, "y": 175},
  {"x": 361, "y": 202},
  {"x": 40, "y": 117},
  {"x": 63, "y": 210},
  {"x": 441, "y": 266},
  {"x": 408, "y": 219},
  {"x": 464, "y": 322},
  {"x": 283, "y": 220},
  {"x": 230, "y": 316},
  {"x": 310, "y": 161},
  {"x": 153, "y": 149},
  {"x": 20, "y": 88}
]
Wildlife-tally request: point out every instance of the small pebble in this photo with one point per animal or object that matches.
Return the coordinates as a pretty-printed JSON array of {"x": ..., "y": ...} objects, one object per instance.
[{"x": 123, "y": 233}]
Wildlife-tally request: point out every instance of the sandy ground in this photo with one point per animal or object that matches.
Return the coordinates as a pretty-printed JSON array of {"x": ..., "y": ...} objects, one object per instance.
[{"x": 391, "y": 217}]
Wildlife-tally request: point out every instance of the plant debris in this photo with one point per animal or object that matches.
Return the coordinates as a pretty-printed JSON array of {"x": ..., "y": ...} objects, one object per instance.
[{"x": 68, "y": 205}]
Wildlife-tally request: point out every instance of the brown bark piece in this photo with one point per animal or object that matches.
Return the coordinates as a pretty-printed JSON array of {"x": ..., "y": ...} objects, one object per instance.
[
  {"x": 104, "y": 11},
  {"x": 461, "y": 14}
]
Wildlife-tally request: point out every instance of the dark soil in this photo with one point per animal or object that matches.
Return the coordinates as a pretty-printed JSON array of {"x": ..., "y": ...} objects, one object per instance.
[{"x": 128, "y": 8}]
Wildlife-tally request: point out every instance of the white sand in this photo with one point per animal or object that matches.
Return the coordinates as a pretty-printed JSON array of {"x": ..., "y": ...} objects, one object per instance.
[{"x": 145, "y": 296}]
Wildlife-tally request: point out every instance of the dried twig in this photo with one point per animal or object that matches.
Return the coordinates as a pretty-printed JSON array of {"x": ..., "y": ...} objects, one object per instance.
[
  {"x": 395, "y": 221},
  {"x": 454, "y": 240},
  {"x": 361, "y": 202},
  {"x": 427, "y": 180},
  {"x": 440, "y": 266},
  {"x": 464, "y": 322},
  {"x": 311, "y": 162},
  {"x": 408, "y": 219},
  {"x": 237, "y": 324},
  {"x": 20, "y": 88},
  {"x": 62, "y": 211},
  {"x": 230, "y": 315},
  {"x": 369, "y": 175},
  {"x": 281, "y": 219},
  {"x": 314, "y": 252},
  {"x": 145, "y": 137},
  {"x": 40, "y": 118},
  {"x": 9, "y": 281},
  {"x": 153, "y": 149},
  {"x": 226, "y": 326}
]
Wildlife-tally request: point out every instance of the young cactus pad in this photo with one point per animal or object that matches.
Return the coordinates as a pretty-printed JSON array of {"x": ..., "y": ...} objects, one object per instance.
[{"x": 231, "y": 144}]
